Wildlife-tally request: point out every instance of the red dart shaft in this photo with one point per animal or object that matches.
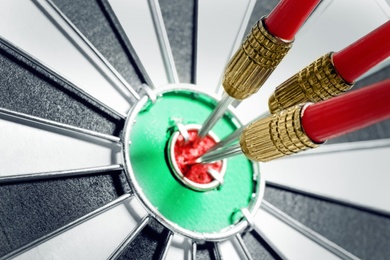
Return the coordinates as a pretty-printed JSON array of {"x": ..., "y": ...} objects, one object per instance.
[
  {"x": 288, "y": 16},
  {"x": 363, "y": 54},
  {"x": 349, "y": 112}
]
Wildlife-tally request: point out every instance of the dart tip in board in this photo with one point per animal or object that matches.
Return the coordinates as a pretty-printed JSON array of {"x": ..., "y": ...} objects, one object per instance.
[{"x": 183, "y": 150}]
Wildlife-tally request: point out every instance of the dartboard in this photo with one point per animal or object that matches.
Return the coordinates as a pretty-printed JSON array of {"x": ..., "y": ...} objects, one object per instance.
[{"x": 93, "y": 95}]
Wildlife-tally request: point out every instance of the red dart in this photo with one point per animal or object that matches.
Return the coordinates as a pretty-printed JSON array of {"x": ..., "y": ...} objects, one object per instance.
[
  {"x": 288, "y": 16},
  {"x": 303, "y": 127},
  {"x": 333, "y": 73},
  {"x": 363, "y": 54},
  {"x": 264, "y": 47},
  {"x": 346, "y": 113}
]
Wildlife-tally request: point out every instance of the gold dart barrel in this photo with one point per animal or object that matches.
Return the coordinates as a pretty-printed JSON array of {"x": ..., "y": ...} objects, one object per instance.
[
  {"x": 318, "y": 81},
  {"x": 253, "y": 62},
  {"x": 276, "y": 136}
]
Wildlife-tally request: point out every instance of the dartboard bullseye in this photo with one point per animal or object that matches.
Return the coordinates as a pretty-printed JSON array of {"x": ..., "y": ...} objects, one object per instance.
[
  {"x": 184, "y": 148},
  {"x": 212, "y": 210}
]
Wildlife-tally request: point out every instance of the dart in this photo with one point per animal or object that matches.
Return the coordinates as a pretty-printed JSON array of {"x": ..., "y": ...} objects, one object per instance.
[
  {"x": 329, "y": 76},
  {"x": 266, "y": 45},
  {"x": 101, "y": 103},
  {"x": 333, "y": 73},
  {"x": 306, "y": 126}
]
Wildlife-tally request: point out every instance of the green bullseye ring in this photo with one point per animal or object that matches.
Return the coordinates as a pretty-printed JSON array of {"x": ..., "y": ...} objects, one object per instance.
[{"x": 213, "y": 214}]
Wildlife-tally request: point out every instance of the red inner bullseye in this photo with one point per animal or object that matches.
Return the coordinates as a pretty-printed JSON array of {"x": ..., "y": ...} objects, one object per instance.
[{"x": 187, "y": 153}]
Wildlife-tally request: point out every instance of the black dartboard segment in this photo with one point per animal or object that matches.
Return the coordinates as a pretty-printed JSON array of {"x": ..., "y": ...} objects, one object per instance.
[{"x": 33, "y": 209}]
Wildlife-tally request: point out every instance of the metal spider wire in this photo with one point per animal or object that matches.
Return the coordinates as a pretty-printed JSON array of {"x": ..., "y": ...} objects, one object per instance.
[{"x": 215, "y": 247}]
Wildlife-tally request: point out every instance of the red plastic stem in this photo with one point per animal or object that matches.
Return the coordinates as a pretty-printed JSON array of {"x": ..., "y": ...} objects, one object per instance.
[
  {"x": 347, "y": 113},
  {"x": 288, "y": 16},
  {"x": 357, "y": 58}
]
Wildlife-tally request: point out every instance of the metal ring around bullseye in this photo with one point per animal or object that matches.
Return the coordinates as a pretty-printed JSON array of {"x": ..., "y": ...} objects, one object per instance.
[{"x": 176, "y": 170}]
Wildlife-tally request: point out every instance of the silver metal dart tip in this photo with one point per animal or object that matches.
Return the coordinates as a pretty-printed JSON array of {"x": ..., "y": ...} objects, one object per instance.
[{"x": 221, "y": 154}]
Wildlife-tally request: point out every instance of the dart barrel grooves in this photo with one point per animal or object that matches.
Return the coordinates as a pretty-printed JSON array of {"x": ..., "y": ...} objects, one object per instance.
[
  {"x": 254, "y": 62},
  {"x": 316, "y": 82},
  {"x": 276, "y": 136}
]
